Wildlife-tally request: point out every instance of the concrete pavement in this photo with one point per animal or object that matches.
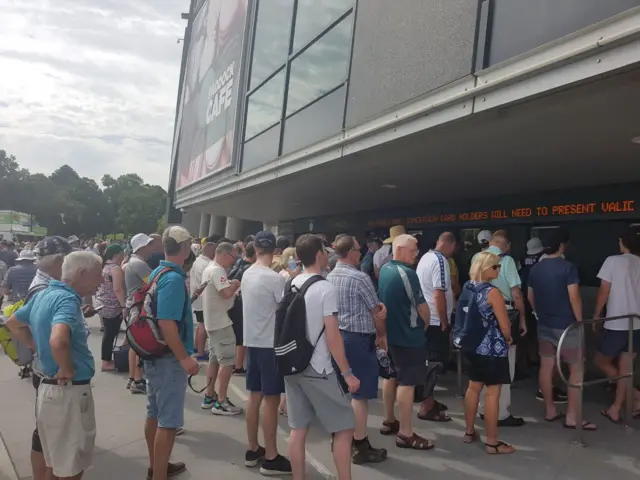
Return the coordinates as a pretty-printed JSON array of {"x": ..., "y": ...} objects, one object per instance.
[{"x": 213, "y": 447}]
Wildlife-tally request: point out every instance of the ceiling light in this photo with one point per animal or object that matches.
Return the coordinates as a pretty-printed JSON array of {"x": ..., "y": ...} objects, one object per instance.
[
  {"x": 636, "y": 140},
  {"x": 390, "y": 186}
]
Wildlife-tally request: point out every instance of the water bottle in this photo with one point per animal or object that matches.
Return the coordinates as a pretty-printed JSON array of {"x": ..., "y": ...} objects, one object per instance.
[{"x": 383, "y": 358}]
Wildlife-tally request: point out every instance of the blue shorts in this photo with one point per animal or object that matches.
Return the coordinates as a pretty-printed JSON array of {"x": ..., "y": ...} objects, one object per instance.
[
  {"x": 166, "y": 391},
  {"x": 262, "y": 374},
  {"x": 361, "y": 355},
  {"x": 615, "y": 342}
]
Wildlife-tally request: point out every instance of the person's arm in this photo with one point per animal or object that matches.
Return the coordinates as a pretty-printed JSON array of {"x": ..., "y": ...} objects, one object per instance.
[
  {"x": 441, "y": 306},
  {"x": 496, "y": 301},
  {"x": 171, "y": 335},
  {"x": 531, "y": 298},
  {"x": 601, "y": 298},
  {"x": 60, "y": 343},
  {"x": 21, "y": 332},
  {"x": 117, "y": 277},
  {"x": 455, "y": 285},
  {"x": 576, "y": 301},
  {"x": 218, "y": 279},
  {"x": 436, "y": 276},
  {"x": 511, "y": 272}
]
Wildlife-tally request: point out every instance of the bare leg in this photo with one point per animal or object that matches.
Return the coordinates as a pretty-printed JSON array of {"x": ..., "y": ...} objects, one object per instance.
[
  {"x": 270, "y": 425},
  {"x": 150, "y": 428},
  {"x": 201, "y": 338},
  {"x": 342, "y": 453},
  {"x": 253, "y": 419},
  {"x": 162, "y": 448},
  {"x": 297, "y": 441},
  {"x": 545, "y": 379},
  {"x": 491, "y": 409},
  {"x": 212, "y": 376},
  {"x": 624, "y": 367},
  {"x": 223, "y": 384},
  {"x": 405, "y": 410},
  {"x": 426, "y": 405},
  {"x": 608, "y": 367},
  {"x": 38, "y": 466},
  {"x": 471, "y": 400},
  {"x": 361, "y": 411},
  {"x": 389, "y": 388},
  {"x": 240, "y": 354}
]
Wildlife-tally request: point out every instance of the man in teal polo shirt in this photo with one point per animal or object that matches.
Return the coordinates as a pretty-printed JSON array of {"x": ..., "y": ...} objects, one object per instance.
[
  {"x": 407, "y": 312},
  {"x": 509, "y": 284},
  {"x": 52, "y": 323}
]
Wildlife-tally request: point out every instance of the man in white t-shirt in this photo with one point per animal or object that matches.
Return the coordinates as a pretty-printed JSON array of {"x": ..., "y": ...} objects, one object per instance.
[
  {"x": 262, "y": 290},
  {"x": 316, "y": 392},
  {"x": 620, "y": 291},
  {"x": 217, "y": 299},
  {"x": 195, "y": 277},
  {"x": 435, "y": 281}
]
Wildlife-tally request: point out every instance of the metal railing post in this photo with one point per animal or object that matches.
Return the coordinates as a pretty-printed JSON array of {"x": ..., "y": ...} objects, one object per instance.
[
  {"x": 579, "y": 437},
  {"x": 629, "y": 400}
]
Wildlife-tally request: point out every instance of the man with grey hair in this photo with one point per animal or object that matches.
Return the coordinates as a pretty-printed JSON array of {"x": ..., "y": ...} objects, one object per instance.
[
  {"x": 52, "y": 323},
  {"x": 217, "y": 299},
  {"x": 167, "y": 375}
]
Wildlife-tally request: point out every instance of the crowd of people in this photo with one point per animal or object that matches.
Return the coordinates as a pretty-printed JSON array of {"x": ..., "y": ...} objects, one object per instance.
[{"x": 380, "y": 311}]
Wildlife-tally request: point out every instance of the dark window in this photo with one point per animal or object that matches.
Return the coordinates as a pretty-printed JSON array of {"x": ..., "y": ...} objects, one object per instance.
[
  {"x": 261, "y": 149},
  {"x": 313, "y": 16},
  {"x": 271, "y": 45},
  {"x": 321, "y": 68},
  {"x": 265, "y": 106}
]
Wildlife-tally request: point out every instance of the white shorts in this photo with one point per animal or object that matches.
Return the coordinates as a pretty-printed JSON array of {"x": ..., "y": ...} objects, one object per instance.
[{"x": 66, "y": 422}]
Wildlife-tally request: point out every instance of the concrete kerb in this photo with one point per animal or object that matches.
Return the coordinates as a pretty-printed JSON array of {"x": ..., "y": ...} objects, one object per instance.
[{"x": 7, "y": 469}]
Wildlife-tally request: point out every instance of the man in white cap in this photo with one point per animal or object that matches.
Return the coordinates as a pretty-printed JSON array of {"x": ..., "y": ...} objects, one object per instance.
[
  {"x": 484, "y": 237},
  {"x": 136, "y": 272},
  {"x": 18, "y": 279}
]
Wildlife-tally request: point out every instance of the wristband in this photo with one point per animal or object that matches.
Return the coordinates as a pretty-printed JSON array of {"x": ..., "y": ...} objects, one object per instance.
[{"x": 347, "y": 373}]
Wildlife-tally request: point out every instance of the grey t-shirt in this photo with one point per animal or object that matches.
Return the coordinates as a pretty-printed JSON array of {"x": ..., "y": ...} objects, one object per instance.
[{"x": 136, "y": 272}]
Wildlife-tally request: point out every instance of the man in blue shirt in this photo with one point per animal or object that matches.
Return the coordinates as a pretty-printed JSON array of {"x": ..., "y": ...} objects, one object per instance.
[
  {"x": 52, "y": 323},
  {"x": 167, "y": 376}
]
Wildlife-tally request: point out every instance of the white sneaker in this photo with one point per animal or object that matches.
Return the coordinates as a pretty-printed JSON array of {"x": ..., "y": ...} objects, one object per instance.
[{"x": 225, "y": 408}]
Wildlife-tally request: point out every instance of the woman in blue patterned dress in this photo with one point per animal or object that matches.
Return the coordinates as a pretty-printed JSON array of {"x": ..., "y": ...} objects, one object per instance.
[{"x": 489, "y": 365}]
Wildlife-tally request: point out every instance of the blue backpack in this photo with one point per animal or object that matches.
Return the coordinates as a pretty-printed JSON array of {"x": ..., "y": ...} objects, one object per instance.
[{"x": 468, "y": 329}]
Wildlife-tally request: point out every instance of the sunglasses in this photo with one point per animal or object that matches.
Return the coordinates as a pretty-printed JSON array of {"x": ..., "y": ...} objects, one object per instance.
[{"x": 496, "y": 267}]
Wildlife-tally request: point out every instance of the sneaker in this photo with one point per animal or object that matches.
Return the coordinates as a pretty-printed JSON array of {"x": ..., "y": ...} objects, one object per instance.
[
  {"x": 276, "y": 467},
  {"x": 511, "y": 421},
  {"x": 173, "y": 469},
  {"x": 363, "y": 452},
  {"x": 225, "y": 408},
  {"x": 558, "y": 396},
  {"x": 138, "y": 388},
  {"x": 179, "y": 431},
  {"x": 129, "y": 382},
  {"x": 208, "y": 401},
  {"x": 252, "y": 458},
  {"x": 202, "y": 358},
  {"x": 239, "y": 371}
]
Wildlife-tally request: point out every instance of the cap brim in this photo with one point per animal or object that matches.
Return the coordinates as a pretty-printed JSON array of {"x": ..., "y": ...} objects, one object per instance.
[
  {"x": 144, "y": 245},
  {"x": 389, "y": 241}
]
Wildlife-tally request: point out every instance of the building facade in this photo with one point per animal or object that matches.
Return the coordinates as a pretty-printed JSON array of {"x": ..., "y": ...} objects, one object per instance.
[{"x": 352, "y": 115}]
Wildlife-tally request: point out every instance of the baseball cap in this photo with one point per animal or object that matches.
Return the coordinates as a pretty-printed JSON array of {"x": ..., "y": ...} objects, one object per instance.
[
  {"x": 140, "y": 240},
  {"x": 265, "y": 240},
  {"x": 52, "y": 246},
  {"x": 178, "y": 233},
  {"x": 283, "y": 242},
  {"x": 534, "y": 246},
  {"x": 73, "y": 239},
  {"x": 484, "y": 237}
]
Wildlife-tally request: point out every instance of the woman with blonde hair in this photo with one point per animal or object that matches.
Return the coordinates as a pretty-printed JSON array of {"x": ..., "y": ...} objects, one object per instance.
[
  {"x": 290, "y": 266},
  {"x": 489, "y": 363}
]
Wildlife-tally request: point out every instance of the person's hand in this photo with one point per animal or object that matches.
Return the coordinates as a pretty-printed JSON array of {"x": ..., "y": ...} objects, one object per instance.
[
  {"x": 352, "y": 382},
  {"x": 596, "y": 323},
  {"x": 381, "y": 342},
  {"x": 199, "y": 290},
  {"x": 382, "y": 314},
  {"x": 523, "y": 327},
  {"x": 88, "y": 311},
  {"x": 190, "y": 365},
  {"x": 65, "y": 376},
  {"x": 444, "y": 325},
  {"x": 235, "y": 283}
]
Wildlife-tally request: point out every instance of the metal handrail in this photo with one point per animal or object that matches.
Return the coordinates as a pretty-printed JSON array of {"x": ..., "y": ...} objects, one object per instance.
[{"x": 579, "y": 440}]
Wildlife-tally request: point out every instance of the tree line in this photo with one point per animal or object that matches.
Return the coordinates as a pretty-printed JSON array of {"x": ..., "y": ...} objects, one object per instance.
[{"x": 68, "y": 204}]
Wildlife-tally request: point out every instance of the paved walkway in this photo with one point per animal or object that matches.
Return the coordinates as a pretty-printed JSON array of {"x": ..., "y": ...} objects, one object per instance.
[{"x": 213, "y": 447}]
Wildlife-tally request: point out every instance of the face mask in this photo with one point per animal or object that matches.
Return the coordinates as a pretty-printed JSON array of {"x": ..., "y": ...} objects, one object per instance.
[{"x": 291, "y": 264}]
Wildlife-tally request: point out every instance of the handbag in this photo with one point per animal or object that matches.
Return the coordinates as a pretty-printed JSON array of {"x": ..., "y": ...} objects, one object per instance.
[
  {"x": 121, "y": 356},
  {"x": 425, "y": 389}
]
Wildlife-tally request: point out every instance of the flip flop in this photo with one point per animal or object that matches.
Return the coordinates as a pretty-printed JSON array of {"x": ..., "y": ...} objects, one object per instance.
[
  {"x": 606, "y": 415},
  {"x": 585, "y": 424},
  {"x": 557, "y": 416}
]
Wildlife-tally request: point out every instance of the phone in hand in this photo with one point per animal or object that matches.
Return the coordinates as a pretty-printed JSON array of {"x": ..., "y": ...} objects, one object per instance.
[
  {"x": 199, "y": 291},
  {"x": 97, "y": 309}
]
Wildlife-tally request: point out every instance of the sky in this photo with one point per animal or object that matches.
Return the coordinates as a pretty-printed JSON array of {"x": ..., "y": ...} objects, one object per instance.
[{"x": 90, "y": 83}]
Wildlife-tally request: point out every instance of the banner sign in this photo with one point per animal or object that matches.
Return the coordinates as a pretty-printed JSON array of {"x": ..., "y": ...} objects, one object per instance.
[{"x": 207, "y": 127}]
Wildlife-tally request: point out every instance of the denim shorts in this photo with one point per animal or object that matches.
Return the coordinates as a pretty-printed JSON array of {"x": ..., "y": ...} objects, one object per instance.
[
  {"x": 166, "y": 391},
  {"x": 361, "y": 355},
  {"x": 615, "y": 342},
  {"x": 262, "y": 374}
]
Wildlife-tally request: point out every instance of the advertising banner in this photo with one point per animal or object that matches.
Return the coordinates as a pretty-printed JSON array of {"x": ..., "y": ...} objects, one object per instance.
[{"x": 207, "y": 127}]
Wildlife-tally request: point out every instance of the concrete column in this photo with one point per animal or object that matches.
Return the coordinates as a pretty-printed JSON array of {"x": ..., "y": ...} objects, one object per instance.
[
  {"x": 204, "y": 224},
  {"x": 238, "y": 229},
  {"x": 191, "y": 221},
  {"x": 218, "y": 225}
]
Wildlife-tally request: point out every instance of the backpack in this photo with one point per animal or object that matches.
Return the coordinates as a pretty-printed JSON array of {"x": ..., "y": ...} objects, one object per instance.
[
  {"x": 469, "y": 330},
  {"x": 293, "y": 349},
  {"x": 143, "y": 331}
]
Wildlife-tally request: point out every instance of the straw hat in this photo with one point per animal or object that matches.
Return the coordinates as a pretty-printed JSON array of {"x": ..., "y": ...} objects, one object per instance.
[{"x": 395, "y": 232}]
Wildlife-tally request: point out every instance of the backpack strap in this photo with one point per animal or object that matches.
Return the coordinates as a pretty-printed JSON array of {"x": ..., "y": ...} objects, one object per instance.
[
  {"x": 33, "y": 290},
  {"x": 305, "y": 286}
]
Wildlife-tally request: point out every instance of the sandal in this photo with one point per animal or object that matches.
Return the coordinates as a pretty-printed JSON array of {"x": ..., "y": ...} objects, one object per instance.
[
  {"x": 470, "y": 437},
  {"x": 506, "y": 448},
  {"x": 557, "y": 416},
  {"x": 390, "y": 428},
  {"x": 435, "y": 415},
  {"x": 414, "y": 442},
  {"x": 586, "y": 425},
  {"x": 441, "y": 406},
  {"x": 606, "y": 415}
]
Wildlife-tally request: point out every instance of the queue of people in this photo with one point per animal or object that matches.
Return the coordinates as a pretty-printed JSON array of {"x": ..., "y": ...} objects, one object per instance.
[{"x": 390, "y": 315}]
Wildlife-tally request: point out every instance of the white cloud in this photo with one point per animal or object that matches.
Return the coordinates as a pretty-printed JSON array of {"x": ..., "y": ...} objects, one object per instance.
[{"x": 90, "y": 83}]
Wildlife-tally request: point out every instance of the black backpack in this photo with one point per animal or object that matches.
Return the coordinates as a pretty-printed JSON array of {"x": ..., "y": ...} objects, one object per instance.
[{"x": 292, "y": 347}]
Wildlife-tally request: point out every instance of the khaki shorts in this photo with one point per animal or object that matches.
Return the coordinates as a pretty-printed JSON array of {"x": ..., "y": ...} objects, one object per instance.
[
  {"x": 222, "y": 347},
  {"x": 66, "y": 422}
]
